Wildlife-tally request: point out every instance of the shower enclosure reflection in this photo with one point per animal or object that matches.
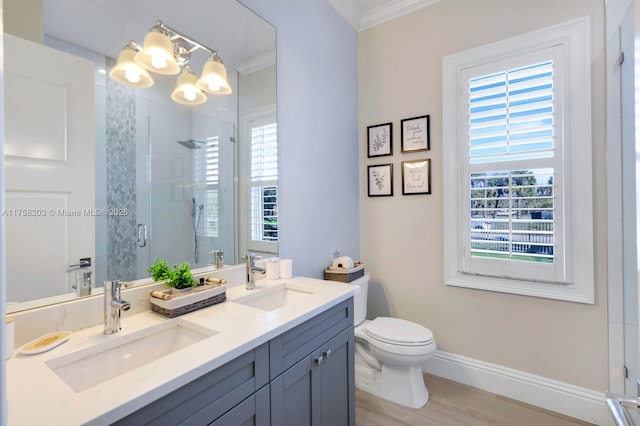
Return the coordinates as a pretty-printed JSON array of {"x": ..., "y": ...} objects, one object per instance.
[{"x": 184, "y": 173}]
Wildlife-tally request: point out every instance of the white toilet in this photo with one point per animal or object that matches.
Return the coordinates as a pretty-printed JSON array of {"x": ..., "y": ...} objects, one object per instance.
[{"x": 390, "y": 353}]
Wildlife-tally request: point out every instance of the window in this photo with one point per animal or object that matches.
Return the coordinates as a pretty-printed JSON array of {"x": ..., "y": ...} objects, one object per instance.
[
  {"x": 518, "y": 202},
  {"x": 207, "y": 187},
  {"x": 264, "y": 181},
  {"x": 259, "y": 191}
]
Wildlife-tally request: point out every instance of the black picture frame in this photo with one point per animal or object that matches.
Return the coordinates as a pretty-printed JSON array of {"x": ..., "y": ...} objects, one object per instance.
[
  {"x": 416, "y": 177},
  {"x": 380, "y": 140},
  {"x": 415, "y": 134},
  {"x": 380, "y": 180}
]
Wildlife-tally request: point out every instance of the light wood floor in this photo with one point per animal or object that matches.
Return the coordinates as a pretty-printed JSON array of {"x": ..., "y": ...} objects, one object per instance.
[{"x": 453, "y": 404}]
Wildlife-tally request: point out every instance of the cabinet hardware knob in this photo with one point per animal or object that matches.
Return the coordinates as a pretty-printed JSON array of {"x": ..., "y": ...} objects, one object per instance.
[
  {"x": 327, "y": 354},
  {"x": 318, "y": 360}
]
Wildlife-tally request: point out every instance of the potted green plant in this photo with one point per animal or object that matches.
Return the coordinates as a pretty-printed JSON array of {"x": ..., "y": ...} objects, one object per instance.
[
  {"x": 178, "y": 278},
  {"x": 159, "y": 270}
]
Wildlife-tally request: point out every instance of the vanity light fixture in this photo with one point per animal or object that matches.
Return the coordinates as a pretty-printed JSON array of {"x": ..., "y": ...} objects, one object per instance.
[
  {"x": 186, "y": 92},
  {"x": 167, "y": 51},
  {"x": 214, "y": 76},
  {"x": 127, "y": 71},
  {"x": 157, "y": 52}
]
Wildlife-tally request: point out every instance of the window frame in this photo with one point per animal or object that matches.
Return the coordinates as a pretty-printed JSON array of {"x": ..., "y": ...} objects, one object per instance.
[
  {"x": 202, "y": 187},
  {"x": 577, "y": 271},
  {"x": 247, "y": 244}
]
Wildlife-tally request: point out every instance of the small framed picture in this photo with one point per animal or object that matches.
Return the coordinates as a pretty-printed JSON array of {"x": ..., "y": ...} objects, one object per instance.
[
  {"x": 380, "y": 180},
  {"x": 415, "y": 134},
  {"x": 416, "y": 177},
  {"x": 379, "y": 140}
]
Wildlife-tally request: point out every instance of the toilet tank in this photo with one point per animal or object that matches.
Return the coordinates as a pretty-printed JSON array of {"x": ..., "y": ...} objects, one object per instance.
[{"x": 360, "y": 299}]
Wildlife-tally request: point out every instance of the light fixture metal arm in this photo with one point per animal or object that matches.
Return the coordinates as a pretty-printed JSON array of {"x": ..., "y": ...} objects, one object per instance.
[{"x": 175, "y": 34}]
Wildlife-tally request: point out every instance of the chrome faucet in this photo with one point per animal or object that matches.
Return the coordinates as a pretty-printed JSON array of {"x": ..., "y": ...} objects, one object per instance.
[
  {"x": 113, "y": 306},
  {"x": 251, "y": 268}
]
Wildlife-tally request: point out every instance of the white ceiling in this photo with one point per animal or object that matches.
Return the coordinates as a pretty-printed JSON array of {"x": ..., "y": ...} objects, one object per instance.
[
  {"x": 106, "y": 26},
  {"x": 363, "y": 14}
]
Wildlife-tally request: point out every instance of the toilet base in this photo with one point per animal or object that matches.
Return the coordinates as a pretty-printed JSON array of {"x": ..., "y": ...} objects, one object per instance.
[{"x": 402, "y": 385}]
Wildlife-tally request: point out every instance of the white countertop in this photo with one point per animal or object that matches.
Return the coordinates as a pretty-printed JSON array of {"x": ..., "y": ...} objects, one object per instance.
[{"x": 37, "y": 396}]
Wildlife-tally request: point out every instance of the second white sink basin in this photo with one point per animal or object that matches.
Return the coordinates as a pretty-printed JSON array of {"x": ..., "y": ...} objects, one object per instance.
[
  {"x": 276, "y": 297},
  {"x": 118, "y": 355}
]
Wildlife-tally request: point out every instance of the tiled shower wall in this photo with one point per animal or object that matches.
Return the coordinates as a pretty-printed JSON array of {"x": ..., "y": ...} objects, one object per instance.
[{"x": 121, "y": 180}]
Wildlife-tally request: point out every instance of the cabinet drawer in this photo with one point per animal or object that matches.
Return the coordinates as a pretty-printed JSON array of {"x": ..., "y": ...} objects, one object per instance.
[
  {"x": 253, "y": 411},
  {"x": 295, "y": 344},
  {"x": 210, "y": 396}
]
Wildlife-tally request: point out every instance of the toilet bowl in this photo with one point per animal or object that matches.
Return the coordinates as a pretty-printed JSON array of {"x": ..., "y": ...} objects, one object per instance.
[{"x": 390, "y": 353}]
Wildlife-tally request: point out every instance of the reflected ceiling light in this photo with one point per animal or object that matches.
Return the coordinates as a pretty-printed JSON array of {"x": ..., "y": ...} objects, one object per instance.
[
  {"x": 186, "y": 92},
  {"x": 166, "y": 51},
  {"x": 127, "y": 71},
  {"x": 214, "y": 76},
  {"x": 157, "y": 52}
]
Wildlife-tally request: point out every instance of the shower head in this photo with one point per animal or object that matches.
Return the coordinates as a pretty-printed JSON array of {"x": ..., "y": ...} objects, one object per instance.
[{"x": 192, "y": 144}]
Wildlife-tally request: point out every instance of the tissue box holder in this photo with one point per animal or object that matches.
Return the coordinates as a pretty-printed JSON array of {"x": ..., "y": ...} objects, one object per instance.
[
  {"x": 190, "y": 301},
  {"x": 345, "y": 276}
]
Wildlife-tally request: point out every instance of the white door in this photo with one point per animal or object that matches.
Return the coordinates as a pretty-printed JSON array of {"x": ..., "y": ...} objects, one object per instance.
[{"x": 49, "y": 158}]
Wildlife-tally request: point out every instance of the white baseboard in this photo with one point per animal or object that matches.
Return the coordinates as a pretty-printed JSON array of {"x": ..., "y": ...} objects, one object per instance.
[{"x": 574, "y": 401}]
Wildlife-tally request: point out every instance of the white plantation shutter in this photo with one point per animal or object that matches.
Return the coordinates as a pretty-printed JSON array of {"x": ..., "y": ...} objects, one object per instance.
[
  {"x": 264, "y": 182},
  {"x": 513, "y": 141},
  {"x": 207, "y": 185},
  {"x": 511, "y": 114},
  {"x": 511, "y": 122}
]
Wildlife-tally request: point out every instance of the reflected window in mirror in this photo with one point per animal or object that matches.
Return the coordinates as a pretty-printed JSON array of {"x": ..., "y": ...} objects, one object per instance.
[
  {"x": 207, "y": 187},
  {"x": 261, "y": 192}
]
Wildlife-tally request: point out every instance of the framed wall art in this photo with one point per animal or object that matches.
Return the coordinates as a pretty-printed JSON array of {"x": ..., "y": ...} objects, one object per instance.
[
  {"x": 415, "y": 134},
  {"x": 380, "y": 180},
  {"x": 416, "y": 177},
  {"x": 379, "y": 140}
]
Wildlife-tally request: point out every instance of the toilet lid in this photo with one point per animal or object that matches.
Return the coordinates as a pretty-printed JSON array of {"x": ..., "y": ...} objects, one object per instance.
[{"x": 399, "y": 332}]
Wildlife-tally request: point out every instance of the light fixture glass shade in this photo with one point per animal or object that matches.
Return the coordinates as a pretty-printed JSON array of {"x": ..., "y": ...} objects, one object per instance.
[
  {"x": 128, "y": 72},
  {"x": 214, "y": 77},
  {"x": 186, "y": 92},
  {"x": 157, "y": 53}
]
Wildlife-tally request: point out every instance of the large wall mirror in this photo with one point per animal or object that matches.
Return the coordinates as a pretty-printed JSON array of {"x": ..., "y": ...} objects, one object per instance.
[{"x": 119, "y": 175}]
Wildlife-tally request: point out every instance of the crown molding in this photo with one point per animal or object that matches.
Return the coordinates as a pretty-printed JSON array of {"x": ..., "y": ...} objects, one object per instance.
[
  {"x": 391, "y": 10},
  {"x": 257, "y": 63},
  {"x": 370, "y": 18}
]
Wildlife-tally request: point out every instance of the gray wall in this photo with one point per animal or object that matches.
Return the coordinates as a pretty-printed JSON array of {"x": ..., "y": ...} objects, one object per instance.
[{"x": 317, "y": 132}]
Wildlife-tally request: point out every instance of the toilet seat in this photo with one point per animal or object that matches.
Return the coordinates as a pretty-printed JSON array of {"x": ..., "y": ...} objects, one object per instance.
[{"x": 399, "y": 332}]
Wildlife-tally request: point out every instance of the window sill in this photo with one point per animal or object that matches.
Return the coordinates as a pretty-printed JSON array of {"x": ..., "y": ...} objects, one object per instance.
[{"x": 565, "y": 292}]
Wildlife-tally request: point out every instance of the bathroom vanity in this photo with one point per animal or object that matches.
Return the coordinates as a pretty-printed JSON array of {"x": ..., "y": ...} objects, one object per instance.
[{"x": 279, "y": 355}]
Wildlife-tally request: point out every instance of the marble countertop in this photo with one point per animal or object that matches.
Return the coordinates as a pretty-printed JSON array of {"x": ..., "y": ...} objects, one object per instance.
[{"x": 38, "y": 396}]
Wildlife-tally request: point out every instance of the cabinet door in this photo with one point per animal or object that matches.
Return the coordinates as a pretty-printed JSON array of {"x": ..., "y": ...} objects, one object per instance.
[
  {"x": 253, "y": 411},
  {"x": 319, "y": 390},
  {"x": 291, "y": 395},
  {"x": 335, "y": 387}
]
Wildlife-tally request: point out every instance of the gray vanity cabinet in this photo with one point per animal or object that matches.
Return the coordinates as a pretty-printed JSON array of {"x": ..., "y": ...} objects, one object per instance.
[
  {"x": 209, "y": 397},
  {"x": 304, "y": 376},
  {"x": 318, "y": 388}
]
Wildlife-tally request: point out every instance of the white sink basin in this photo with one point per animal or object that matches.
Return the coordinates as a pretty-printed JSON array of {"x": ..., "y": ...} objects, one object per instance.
[
  {"x": 118, "y": 355},
  {"x": 276, "y": 297}
]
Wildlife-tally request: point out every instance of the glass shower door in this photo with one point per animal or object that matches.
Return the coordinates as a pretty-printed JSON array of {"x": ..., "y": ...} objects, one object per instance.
[{"x": 185, "y": 187}]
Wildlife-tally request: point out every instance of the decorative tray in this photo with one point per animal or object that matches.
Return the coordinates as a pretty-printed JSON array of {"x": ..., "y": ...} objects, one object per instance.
[{"x": 172, "y": 304}]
